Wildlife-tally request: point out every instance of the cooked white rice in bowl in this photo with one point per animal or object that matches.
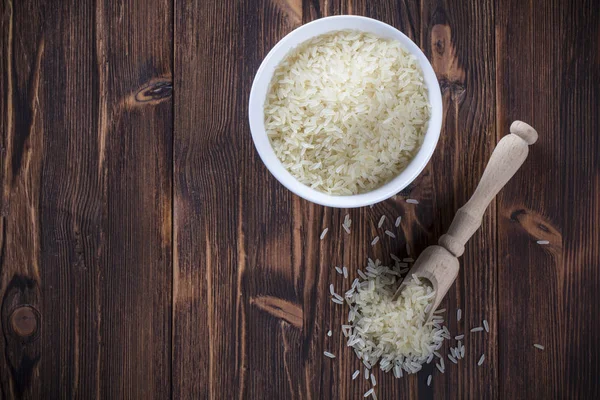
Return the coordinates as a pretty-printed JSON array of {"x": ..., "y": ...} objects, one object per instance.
[{"x": 347, "y": 111}]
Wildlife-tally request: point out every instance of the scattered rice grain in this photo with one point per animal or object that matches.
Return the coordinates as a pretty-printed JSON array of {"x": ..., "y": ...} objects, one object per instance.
[
  {"x": 481, "y": 360},
  {"x": 453, "y": 352},
  {"x": 324, "y": 233}
]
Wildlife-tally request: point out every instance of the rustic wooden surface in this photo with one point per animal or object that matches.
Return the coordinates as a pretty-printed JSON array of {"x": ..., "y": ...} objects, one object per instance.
[{"x": 146, "y": 252}]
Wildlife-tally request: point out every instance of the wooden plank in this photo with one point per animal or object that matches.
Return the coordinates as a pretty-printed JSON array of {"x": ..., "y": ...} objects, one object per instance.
[
  {"x": 20, "y": 291},
  {"x": 86, "y": 206},
  {"x": 461, "y": 47},
  {"x": 333, "y": 379},
  {"x": 209, "y": 349},
  {"x": 468, "y": 137},
  {"x": 545, "y": 291}
]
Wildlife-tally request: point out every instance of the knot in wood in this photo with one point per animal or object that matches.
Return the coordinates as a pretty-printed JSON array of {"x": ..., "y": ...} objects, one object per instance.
[
  {"x": 155, "y": 91},
  {"x": 440, "y": 46},
  {"x": 24, "y": 322},
  {"x": 456, "y": 89}
]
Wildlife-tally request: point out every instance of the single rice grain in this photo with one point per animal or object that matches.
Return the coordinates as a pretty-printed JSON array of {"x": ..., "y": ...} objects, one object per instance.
[{"x": 481, "y": 360}]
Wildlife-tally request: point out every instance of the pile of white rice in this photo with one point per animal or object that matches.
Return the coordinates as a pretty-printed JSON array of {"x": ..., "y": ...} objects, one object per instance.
[
  {"x": 347, "y": 111},
  {"x": 395, "y": 334}
]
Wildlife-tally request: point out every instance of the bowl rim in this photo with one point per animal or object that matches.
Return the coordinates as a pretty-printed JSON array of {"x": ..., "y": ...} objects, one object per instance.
[{"x": 262, "y": 143}]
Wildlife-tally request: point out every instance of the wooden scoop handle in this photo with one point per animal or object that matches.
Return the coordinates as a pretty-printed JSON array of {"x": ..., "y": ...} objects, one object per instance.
[{"x": 508, "y": 156}]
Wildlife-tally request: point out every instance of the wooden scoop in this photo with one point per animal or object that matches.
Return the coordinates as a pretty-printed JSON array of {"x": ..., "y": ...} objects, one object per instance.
[{"x": 439, "y": 264}]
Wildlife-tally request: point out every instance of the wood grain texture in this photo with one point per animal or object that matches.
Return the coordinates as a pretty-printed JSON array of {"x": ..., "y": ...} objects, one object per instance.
[
  {"x": 209, "y": 334},
  {"x": 249, "y": 263},
  {"x": 146, "y": 252},
  {"x": 86, "y": 204},
  {"x": 546, "y": 291}
]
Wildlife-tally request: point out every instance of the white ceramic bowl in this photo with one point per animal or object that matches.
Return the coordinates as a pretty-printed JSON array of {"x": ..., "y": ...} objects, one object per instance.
[{"x": 261, "y": 85}]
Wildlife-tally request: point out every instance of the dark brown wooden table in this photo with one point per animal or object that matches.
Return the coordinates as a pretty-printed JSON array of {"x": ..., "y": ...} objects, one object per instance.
[{"x": 146, "y": 252}]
